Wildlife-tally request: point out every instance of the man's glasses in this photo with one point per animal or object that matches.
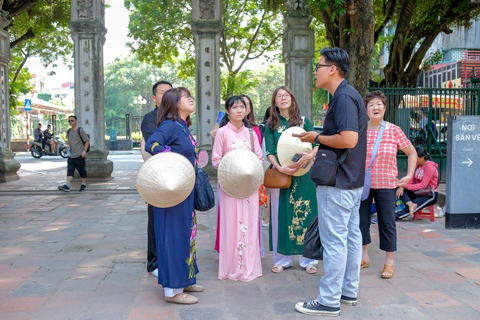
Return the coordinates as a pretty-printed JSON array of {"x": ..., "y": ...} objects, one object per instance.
[
  {"x": 71, "y": 120},
  {"x": 318, "y": 65}
]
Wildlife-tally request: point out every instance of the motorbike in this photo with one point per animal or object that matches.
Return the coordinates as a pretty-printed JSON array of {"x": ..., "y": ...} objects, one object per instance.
[{"x": 37, "y": 152}]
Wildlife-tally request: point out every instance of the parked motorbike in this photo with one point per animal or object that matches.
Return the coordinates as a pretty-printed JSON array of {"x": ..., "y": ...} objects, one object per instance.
[{"x": 37, "y": 152}]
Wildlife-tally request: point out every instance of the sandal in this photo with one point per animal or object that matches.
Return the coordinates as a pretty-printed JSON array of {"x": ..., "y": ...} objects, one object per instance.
[
  {"x": 364, "y": 265},
  {"x": 388, "y": 269},
  {"x": 278, "y": 268},
  {"x": 311, "y": 269}
]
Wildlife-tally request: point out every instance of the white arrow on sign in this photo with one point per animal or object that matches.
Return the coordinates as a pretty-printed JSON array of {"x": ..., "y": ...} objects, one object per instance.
[{"x": 469, "y": 162}]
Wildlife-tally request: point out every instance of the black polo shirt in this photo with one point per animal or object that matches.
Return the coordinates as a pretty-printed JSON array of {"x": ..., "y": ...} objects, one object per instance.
[
  {"x": 346, "y": 112},
  {"x": 149, "y": 124}
]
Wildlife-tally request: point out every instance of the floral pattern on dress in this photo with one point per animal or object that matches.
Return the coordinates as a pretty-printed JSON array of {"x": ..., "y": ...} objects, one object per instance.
[
  {"x": 241, "y": 245},
  {"x": 301, "y": 210},
  {"x": 192, "y": 257}
]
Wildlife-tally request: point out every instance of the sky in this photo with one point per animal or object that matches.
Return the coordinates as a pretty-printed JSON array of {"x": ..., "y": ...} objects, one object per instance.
[{"x": 116, "y": 22}]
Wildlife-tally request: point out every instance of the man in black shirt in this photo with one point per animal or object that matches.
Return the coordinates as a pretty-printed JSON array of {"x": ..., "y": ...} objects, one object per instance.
[
  {"x": 148, "y": 127},
  {"x": 345, "y": 127}
]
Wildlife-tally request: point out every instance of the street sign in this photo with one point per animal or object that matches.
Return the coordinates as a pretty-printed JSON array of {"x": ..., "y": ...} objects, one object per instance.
[
  {"x": 28, "y": 105},
  {"x": 463, "y": 172}
]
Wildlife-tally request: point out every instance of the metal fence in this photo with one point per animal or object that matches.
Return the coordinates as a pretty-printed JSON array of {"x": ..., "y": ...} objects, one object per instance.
[{"x": 409, "y": 107}]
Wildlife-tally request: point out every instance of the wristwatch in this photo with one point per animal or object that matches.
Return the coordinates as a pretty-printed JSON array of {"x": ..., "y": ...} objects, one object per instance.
[{"x": 316, "y": 139}]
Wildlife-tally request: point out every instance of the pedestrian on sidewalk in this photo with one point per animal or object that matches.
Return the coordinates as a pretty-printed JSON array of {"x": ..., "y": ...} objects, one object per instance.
[
  {"x": 384, "y": 181},
  {"x": 292, "y": 210},
  {"x": 238, "y": 234},
  {"x": 78, "y": 142},
  {"x": 345, "y": 127},
  {"x": 177, "y": 225},
  {"x": 148, "y": 127}
]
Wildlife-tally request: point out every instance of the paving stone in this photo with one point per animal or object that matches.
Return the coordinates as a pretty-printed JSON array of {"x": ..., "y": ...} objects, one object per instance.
[
  {"x": 200, "y": 313},
  {"x": 32, "y": 289}
]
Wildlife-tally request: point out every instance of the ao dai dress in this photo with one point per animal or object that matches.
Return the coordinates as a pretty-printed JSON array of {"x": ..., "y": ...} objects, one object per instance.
[
  {"x": 239, "y": 231},
  {"x": 175, "y": 227},
  {"x": 293, "y": 209}
]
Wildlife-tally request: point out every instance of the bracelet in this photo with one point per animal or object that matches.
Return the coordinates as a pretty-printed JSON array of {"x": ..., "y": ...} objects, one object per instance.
[{"x": 316, "y": 139}]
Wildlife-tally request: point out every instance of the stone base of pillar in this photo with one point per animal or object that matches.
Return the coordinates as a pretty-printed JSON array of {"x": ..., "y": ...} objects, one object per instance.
[
  {"x": 8, "y": 167},
  {"x": 98, "y": 166}
]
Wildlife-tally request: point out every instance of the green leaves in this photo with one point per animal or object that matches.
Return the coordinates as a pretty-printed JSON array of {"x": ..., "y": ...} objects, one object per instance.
[{"x": 162, "y": 33}]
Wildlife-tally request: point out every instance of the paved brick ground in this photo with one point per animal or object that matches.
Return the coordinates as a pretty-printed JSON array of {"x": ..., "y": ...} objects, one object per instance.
[{"x": 82, "y": 256}]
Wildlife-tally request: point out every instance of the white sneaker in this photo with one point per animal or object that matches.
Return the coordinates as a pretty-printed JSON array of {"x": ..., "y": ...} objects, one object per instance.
[{"x": 155, "y": 272}]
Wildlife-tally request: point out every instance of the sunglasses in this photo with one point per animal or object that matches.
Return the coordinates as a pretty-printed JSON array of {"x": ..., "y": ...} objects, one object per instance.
[{"x": 71, "y": 120}]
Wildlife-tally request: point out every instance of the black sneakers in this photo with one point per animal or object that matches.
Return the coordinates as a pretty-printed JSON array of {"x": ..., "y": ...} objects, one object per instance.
[
  {"x": 64, "y": 188},
  {"x": 348, "y": 301},
  {"x": 83, "y": 188},
  {"x": 316, "y": 308}
]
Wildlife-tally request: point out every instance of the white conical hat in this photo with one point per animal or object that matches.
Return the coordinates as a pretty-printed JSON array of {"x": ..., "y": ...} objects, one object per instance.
[
  {"x": 145, "y": 154},
  {"x": 288, "y": 146},
  {"x": 240, "y": 173},
  {"x": 166, "y": 179}
]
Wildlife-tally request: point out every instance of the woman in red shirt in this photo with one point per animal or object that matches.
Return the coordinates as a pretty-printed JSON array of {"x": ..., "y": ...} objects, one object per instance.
[
  {"x": 384, "y": 181},
  {"x": 426, "y": 175}
]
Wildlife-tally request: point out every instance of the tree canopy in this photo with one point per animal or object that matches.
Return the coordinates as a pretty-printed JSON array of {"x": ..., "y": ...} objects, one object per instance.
[
  {"x": 38, "y": 28},
  {"x": 162, "y": 33}
]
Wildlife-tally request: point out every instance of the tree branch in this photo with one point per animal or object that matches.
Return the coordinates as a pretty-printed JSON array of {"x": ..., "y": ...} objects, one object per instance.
[
  {"x": 28, "y": 35},
  {"x": 388, "y": 11},
  {"x": 25, "y": 57}
]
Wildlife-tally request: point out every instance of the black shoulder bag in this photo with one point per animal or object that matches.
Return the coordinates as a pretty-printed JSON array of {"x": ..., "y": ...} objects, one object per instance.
[{"x": 324, "y": 169}]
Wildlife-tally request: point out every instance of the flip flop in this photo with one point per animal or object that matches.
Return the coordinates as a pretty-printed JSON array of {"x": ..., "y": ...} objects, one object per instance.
[
  {"x": 388, "y": 269},
  {"x": 311, "y": 269},
  {"x": 364, "y": 265}
]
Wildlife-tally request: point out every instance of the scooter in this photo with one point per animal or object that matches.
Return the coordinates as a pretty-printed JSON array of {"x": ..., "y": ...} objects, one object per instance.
[{"x": 37, "y": 152}]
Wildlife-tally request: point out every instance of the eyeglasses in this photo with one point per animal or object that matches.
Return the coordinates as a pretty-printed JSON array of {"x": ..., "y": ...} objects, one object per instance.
[
  {"x": 318, "y": 65},
  {"x": 281, "y": 96},
  {"x": 71, "y": 120},
  {"x": 188, "y": 96}
]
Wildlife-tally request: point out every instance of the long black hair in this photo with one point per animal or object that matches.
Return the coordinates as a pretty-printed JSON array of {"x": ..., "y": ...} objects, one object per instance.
[
  {"x": 423, "y": 153},
  {"x": 228, "y": 105},
  {"x": 169, "y": 107}
]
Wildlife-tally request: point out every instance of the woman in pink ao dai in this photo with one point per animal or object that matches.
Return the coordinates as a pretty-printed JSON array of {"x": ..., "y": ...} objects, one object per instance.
[{"x": 239, "y": 232}]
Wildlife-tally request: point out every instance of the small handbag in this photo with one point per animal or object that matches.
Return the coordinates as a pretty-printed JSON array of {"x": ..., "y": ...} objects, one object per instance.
[
  {"x": 312, "y": 245},
  {"x": 262, "y": 196},
  {"x": 324, "y": 169},
  {"x": 368, "y": 177},
  {"x": 276, "y": 180},
  {"x": 424, "y": 192},
  {"x": 203, "y": 192}
]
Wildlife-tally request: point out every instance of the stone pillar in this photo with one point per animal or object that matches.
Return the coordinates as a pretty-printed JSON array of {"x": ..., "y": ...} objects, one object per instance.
[
  {"x": 8, "y": 165},
  {"x": 88, "y": 33},
  {"x": 298, "y": 53},
  {"x": 207, "y": 28}
]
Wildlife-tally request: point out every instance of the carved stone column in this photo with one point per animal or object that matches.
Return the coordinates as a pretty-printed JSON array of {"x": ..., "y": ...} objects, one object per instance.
[
  {"x": 207, "y": 28},
  {"x": 88, "y": 33},
  {"x": 8, "y": 165},
  {"x": 298, "y": 52}
]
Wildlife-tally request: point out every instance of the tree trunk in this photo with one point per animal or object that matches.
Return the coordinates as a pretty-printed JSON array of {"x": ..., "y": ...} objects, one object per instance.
[{"x": 360, "y": 43}]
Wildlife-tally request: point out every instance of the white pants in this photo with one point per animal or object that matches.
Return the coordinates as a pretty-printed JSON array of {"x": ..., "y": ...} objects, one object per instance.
[{"x": 169, "y": 292}]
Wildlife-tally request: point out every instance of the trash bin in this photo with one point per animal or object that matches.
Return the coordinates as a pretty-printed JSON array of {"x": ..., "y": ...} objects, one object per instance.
[{"x": 113, "y": 139}]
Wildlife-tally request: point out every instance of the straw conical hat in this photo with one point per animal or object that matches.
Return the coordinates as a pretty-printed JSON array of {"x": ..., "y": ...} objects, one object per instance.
[
  {"x": 145, "y": 154},
  {"x": 288, "y": 146},
  {"x": 240, "y": 173},
  {"x": 166, "y": 179}
]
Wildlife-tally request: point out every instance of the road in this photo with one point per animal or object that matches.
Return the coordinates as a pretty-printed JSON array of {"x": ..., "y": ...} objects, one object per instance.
[{"x": 122, "y": 160}]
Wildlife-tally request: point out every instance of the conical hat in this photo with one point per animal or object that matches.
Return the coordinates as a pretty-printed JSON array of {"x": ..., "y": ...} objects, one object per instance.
[
  {"x": 145, "y": 154},
  {"x": 166, "y": 179},
  {"x": 288, "y": 146},
  {"x": 240, "y": 173}
]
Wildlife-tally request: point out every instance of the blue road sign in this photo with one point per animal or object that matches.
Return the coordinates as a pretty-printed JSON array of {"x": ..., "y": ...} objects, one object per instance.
[{"x": 28, "y": 105}]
